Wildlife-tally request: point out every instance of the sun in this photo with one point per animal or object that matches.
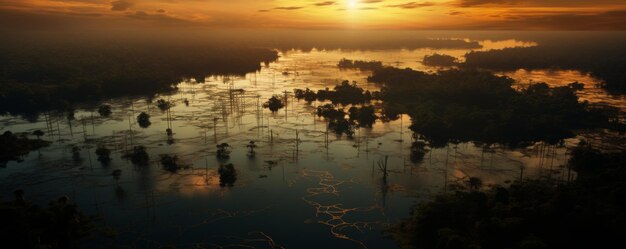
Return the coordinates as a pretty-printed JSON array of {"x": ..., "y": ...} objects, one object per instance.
[{"x": 352, "y": 3}]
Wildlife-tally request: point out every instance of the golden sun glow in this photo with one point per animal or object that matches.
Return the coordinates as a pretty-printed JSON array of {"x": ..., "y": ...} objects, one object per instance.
[
  {"x": 352, "y": 4},
  {"x": 324, "y": 14}
]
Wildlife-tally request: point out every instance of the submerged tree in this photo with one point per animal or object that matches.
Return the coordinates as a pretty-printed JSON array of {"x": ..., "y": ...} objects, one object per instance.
[
  {"x": 365, "y": 116},
  {"x": 251, "y": 145},
  {"x": 76, "y": 153},
  {"x": 228, "y": 175},
  {"x": 163, "y": 105},
  {"x": 474, "y": 183},
  {"x": 116, "y": 175},
  {"x": 170, "y": 163},
  {"x": 439, "y": 60},
  {"x": 418, "y": 150},
  {"x": 138, "y": 156},
  {"x": 274, "y": 104},
  {"x": 104, "y": 110},
  {"x": 104, "y": 154},
  {"x": 143, "y": 119},
  {"x": 38, "y": 133},
  {"x": 223, "y": 151}
]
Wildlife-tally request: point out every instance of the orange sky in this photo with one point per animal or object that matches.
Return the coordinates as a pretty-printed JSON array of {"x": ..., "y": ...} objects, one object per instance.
[{"x": 318, "y": 14}]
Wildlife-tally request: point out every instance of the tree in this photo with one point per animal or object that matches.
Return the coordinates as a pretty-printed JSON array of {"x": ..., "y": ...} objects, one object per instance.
[
  {"x": 251, "y": 145},
  {"x": 104, "y": 110},
  {"x": 274, "y": 104},
  {"x": 228, "y": 175},
  {"x": 170, "y": 163},
  {"x": 222, "y": 151},
  {"x": 38, "y": 133},
  {"x": 144, "y": 120},
  {"x": 104, "y": 155},
  {"x": 164, "y": 105}
]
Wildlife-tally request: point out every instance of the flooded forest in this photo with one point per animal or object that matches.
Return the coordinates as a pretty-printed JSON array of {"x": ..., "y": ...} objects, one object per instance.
[{"x": 371, "y": 140}]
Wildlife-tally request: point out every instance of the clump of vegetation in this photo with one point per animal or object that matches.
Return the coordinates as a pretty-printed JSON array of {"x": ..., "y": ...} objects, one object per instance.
[
  {"x": 361, "y": 65},
  {"x": 117, "y": 174},
  {"x": 470, "y": 105},
  {"x": 104, "y": 110},
  {"x": 76, "y": 153},
  {"x": 274, "y": 103},
  {"x": 104, "y": 154},
  {"x": 341, "y": 126},
  {"x": 329, "y": 111},
  {"x": 138, "y": 156},
  {"x": 38, "y": 134},
  {"x": 305, "y": 94},
  {"x": 143, "y": 119},
  {"x": 365, "y": 115},
  {"x": 170, "y": 163},
  {"x": 418, "y": 151},
  {"x": 14, "y": 146},
  {"x": 439, "y": 60},
  {"x": 223, "y": 151},
  {"x": 251, "y": 146},
  {"x": 337, "y": 121},
  {"x": 344, "y": 93},
  {"x": 228, "y": 175},
  {"x": 163, "y": 105},
  {"x": 585, "y": 213},
  {"x": 59, "y": 225}
]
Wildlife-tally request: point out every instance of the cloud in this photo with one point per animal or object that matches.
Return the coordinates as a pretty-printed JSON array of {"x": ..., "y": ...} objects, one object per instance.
[
  {"x": 412, "y": 5},
  {"x": 371, "y": 1},
  {"x": 327, "y": 3},
  {"x": 158, "y": 17},
  {"x": 121, "y": 5},
  {"x": 470, "y": 3},
  {"x": 288, "y": 8},
  {"x": 538, "y": 3}
]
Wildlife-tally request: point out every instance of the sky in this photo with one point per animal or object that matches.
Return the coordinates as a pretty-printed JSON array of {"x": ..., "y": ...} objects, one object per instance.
[{"x": 317, "y": 14}]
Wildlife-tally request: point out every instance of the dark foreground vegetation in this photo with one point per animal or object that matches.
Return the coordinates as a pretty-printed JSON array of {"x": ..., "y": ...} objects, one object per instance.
[
  {"x": 60, "y": 225},
  {"x": 585, "y": 213},
  {"x": 602, "y": 58},
  {"x": 40, "y": 77},
  {"x": 15, "y": 146}
]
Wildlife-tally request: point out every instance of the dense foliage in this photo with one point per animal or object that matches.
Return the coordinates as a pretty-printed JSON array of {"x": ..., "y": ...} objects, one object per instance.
[
  {"x": 344, "y": 93},
  {"x": 35, "y": 78},
  {"x": 58, "y": 226},
  {"x": 471, "y": 105},
  {"x": 586, "y": 213},
  {"x": 15, "y": 146},
  {"x": 274, "y": 103}
]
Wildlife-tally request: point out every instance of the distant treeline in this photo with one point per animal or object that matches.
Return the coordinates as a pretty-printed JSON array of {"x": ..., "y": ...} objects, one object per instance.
[
  {"x": 40, "y": 77},
  {"x": 604, "y": 59}
]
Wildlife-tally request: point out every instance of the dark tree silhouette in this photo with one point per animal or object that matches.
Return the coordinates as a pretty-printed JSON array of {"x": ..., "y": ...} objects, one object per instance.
[{"x": 143, "y": 119}]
